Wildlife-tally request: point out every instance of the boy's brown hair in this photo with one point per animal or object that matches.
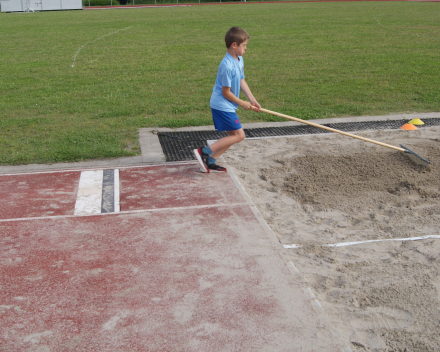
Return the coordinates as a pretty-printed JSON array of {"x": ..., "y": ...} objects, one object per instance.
[{"x": 235, "y": 35}]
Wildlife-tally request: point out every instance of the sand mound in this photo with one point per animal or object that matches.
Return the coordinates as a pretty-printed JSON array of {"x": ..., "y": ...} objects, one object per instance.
[{"x": 324, "y": 189}]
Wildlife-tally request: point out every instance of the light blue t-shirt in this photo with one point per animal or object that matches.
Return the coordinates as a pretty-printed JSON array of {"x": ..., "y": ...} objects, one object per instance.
[{"x": 230, "y": 73}]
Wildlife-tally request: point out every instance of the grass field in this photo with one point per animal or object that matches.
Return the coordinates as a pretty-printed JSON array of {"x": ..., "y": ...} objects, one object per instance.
[{"x": 77, "y": 85}]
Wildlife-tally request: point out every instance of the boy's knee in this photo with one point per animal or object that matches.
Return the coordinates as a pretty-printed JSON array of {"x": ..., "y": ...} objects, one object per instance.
[
  {"x": 238, "y": 136},
  {"x": 241, "y": 136}
]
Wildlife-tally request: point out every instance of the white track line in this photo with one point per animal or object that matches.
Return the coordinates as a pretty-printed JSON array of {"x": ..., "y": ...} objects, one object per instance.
[
  {"x": 344, "y": 244},
  {"x": 54, "y": 217},
  {"x": 82, "y": 46},
  {"x": 79, "y": 169}
]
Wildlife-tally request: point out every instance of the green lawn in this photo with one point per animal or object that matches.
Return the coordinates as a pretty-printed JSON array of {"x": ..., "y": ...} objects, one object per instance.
[{"x": 155, "y": 67}]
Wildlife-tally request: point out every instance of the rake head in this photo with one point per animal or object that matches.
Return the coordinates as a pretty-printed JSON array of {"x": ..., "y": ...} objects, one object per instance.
[{"x": 416, "y": 157}]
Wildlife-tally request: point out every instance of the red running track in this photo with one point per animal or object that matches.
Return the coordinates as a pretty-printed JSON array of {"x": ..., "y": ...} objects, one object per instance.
[{"x": 185, "y": 265}]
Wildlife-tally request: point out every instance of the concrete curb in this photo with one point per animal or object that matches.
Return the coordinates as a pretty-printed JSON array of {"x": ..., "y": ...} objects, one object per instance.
[{"x": 151, "y": 150}]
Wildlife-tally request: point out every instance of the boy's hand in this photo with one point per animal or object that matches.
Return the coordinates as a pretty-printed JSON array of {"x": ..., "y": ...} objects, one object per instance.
[
  {"x": 255, "y": 106},
  {"x": 246, "y": 105},
  {"x": 251, "y": 106}
]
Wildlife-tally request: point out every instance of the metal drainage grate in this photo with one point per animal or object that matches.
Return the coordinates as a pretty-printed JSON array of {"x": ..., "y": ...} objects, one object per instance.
[{"x": 178, "y": 146}]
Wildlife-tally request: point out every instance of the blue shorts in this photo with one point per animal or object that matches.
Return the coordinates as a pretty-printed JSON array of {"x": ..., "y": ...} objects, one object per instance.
[{"x": 225, "y": 121}]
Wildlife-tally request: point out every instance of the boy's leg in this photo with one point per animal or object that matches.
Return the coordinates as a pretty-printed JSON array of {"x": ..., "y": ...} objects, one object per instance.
[
  {"x": 206, "y": 162},
  {"x": 223, "y": 144},
  {"x": 208, "y": 156},
  {"x": 223, "y": 121},
  {"x": 202, "y": 158}
]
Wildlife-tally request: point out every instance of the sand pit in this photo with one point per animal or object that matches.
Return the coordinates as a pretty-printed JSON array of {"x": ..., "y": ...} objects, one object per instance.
[{"x": 325, "y": 189}]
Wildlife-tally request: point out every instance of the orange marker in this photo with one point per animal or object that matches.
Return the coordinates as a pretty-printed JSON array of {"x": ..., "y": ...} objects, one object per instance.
[{"x": 408, "y": 127}]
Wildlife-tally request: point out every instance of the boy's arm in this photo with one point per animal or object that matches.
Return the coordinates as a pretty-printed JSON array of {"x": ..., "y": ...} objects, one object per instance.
[
  {"x": 247, "y": 91},
  {"x": 247, "y": 105}
]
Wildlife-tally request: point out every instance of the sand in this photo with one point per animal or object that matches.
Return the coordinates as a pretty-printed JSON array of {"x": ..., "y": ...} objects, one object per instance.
[{"x": 325, "y": 189}]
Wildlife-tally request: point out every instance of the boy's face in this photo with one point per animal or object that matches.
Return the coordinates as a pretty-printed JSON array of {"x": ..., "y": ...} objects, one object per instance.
[{"x": 240, "y": 49}]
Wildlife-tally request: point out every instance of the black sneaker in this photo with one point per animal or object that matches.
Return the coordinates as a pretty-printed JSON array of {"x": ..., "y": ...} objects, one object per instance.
[
  {"x": 216, "y": 168},
  {"x": 202, "y": 158}
]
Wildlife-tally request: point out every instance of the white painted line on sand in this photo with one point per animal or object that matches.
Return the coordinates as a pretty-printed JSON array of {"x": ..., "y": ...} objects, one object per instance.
[
  {"x": 292, "y": 268},
  {"x": 251, "y": 204},
  {"x": 344, "y": 244},
  {"x": 89, "y": 197}
]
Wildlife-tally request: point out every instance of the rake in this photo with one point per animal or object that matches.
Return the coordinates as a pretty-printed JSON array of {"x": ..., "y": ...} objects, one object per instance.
[{"x": 413, "y": 155}]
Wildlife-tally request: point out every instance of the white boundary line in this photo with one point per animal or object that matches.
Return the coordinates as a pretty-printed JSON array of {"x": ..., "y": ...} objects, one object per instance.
[
  {"x": 80, "y": 169},
  {"x": 95, "y": 40},
  {"x": 344, "y": 244},
  {"x": 253, "y": 207},
  {"x": 249, "y": 201},
  {"x": 54, "y": 217}
]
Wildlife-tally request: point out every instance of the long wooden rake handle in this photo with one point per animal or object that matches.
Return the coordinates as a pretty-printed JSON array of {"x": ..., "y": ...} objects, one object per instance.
[{"x": 331, "y": 129}]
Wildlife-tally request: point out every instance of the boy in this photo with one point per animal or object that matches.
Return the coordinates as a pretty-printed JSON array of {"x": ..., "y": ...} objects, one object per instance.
[{"x": 225, "y": 100}]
